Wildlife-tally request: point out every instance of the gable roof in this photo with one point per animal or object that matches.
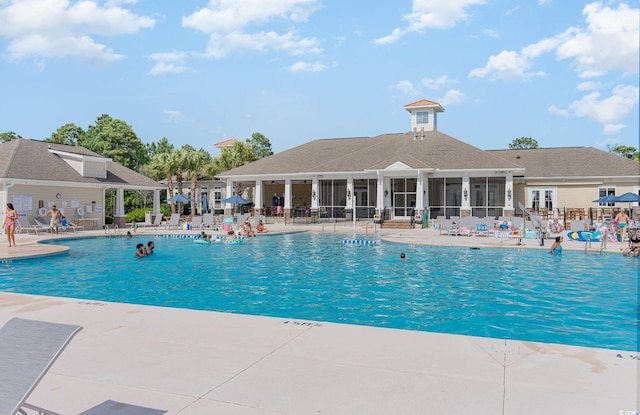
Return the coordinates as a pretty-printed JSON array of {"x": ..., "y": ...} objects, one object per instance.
[
  {"x": 424, "y": 103},
  {"x": 570, "y": 162},
  {"x": 31, "y": 160},
  {"x": 436, "y": 151}
]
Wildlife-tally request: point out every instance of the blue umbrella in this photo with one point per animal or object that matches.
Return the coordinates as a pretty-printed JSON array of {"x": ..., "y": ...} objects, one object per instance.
[
  {"x": 606, "y": 199},
  {"x": 236, "y": 200},
  {"x": 179, "y": 198},
  {"x": 627, "y": 197},
  {"x": 205, "y": 203}
]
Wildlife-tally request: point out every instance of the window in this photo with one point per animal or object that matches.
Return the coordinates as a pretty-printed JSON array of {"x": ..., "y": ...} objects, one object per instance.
[
  {"x": 422, "y": 117},
  {"x": 606, "y": 191}
]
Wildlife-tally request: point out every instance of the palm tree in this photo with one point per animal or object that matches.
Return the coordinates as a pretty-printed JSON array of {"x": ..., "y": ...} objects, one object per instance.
[
  {"x": 163, "y": 165},
  {"x": 194, "y": 162}
]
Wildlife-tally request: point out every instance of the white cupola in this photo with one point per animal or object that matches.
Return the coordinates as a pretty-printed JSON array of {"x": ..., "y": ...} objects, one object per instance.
[{"x": 424, "y": 115}]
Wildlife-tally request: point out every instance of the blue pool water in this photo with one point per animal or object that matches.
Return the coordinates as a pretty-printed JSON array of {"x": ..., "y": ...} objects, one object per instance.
[{"x": 575, "y": 298}]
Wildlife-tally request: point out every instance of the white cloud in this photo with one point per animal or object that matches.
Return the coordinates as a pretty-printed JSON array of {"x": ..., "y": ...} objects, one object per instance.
[
  {"x": 559, "y": 111},
  {"x": 429, "y": 14},
  {"x": 229, "y": 22},
  {"x": 610, "y": 42},
  {"x": 613, "y": 128},
  {"x": 169, "y": 62},
  {"x": 300, "y": 67},
  {"x": 58, "y": 28},
  {"x": 507, "y": 65},
  {"x": 437, "y": 83},
  {"x": 588, "y": 86},
  {"x": 407, "y": 89},
  {"x": 453, "y": 96},
  {"x": 173, "y": 116},
  {"x": 608, "y": 111},
  {"x": 491, "y": 33}
]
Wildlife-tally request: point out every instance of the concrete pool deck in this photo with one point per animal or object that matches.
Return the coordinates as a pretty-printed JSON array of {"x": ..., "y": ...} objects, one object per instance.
[{"x": 195, "y": 362}]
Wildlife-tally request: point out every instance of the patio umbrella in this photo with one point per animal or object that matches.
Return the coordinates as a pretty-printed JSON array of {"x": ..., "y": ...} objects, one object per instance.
[
  {"x": 236, "y": 200},
  {"x": 179, "y": 198},
  {"x": 205, "y": 203},
  {"x": 628, "y": 197},
  {"x": 606, "y": 199}
]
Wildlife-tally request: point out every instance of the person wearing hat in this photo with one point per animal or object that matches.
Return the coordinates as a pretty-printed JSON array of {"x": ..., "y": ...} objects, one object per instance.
[{"x": 56, "y": 216}]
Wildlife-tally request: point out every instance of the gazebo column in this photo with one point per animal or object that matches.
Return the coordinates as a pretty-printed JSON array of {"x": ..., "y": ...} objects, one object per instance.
[
  {"x": 228, "y": 207},
  {"x": 287, "y": 199},
  {"x": 119, "y": 218},
  {"x": 314, "y": 194},
  {"x": 349, "y": 206},
  {"x": 258, "y": 199}
]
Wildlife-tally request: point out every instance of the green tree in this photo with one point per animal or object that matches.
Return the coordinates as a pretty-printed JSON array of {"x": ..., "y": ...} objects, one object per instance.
[
  {"x": 523, "y": 142},
  {"x": 115, "y": 139},
  {"x": 67, "y": 134},
  {"x": 195, "y": 162},
  {"x": 233, "y": 157},
  {"x": 260, "y": 146},
  {"x": 8, "y": 136},
  {"x": 624, "y": 151},
  {"x": 163, "y": 146},
  {"x": 162, "y": 165}
]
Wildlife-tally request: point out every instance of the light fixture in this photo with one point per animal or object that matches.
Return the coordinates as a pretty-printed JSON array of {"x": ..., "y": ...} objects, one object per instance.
[
  {"x": 386, "y": 193},
  {"x": 509, "y": 194},
  {"x": 348, "y": 194},
  {"x": 313, "y": 195},
  {"x": 466, "y": 193}
]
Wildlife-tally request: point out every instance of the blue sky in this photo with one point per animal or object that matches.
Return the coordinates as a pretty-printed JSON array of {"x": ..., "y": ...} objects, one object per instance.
[{"x": 199, "y": 72}]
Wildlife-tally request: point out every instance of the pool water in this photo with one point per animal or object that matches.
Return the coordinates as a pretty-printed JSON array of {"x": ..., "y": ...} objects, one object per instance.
[{"x": 576, "y": 298}]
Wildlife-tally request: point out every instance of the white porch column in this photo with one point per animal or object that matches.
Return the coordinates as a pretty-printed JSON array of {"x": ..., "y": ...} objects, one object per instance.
[
  {"x": 228, "y": 207},
  {"x": 380, "y": 192},
  {"x": 466, "y": 189},
  {"x": 508, "y": 191},
  {"x": 420, "y": 192},
  {"x": 258, "y": 196},
  {"x": 314, "y": 193},
  {"x": 287, "y": 194},
  {"x": 350, "y": 193},
  {"x": 156, "y": 202},
  {"x": 119, "y": 202}
]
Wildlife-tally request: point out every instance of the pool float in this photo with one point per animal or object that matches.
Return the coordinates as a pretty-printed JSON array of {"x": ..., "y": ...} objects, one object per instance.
[
  {"x": 581, "y": 236},
  {"x": 201, "y": 241},
  {"x": 234, "y": 241}
]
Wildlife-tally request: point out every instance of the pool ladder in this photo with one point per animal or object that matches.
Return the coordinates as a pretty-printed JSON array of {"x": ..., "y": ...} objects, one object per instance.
[{"x": 116, "y": 230}]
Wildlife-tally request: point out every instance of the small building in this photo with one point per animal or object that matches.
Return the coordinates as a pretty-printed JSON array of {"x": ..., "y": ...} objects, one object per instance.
[
  {"x": 35, "y": 175},
  {"x": 397, "y": 176}
]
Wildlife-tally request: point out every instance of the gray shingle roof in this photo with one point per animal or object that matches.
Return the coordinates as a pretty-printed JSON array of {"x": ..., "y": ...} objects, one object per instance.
[
  {"x": 437, "y": 150},
  {"x": 571, "y": 162},
  {"x": 32, "y": 160}
]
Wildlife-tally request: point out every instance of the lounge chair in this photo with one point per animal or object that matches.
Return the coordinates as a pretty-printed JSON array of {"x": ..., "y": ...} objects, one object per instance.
[
  {"x": 22, "y": 218},
  {"x": 157, "y": 221},
  {"x": 28, "y": 348},
  {"x": 196, "y": 222},
  {"x": 174, "y": 221},
  {"x": 42, "y": 223},
  {"x": 207, "y": 220},
  {"x": 482, "y": 229}
]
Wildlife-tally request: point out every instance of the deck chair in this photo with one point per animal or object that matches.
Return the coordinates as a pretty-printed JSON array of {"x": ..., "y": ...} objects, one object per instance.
[
  {"x": 28, "y": 348},
  {"x": 207, "y": 220},
  {"x": 174, "y": 221},
  {"x": 22, "y": 218},
  {"x": 157, "y": 221},
  {"x": 196, "y": 222},
  {"x": 42, "y": 224}
]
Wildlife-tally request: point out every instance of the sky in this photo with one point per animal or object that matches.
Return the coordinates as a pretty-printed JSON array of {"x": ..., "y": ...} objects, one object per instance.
[{"x": 198, "y": 72}]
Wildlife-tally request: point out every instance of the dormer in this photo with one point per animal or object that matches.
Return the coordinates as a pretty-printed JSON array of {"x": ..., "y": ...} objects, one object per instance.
[
  {"x": 424, "y": 115},
  {"x": 86, "y": 166}
]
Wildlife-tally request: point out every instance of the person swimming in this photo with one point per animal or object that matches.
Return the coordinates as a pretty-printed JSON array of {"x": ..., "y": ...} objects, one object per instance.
[{"x": 556, "y": 248}]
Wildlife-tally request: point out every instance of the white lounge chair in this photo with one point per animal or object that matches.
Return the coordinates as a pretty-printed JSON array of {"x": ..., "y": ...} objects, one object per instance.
[
  {"x": 174, "y": 221},
  {"x": 196, "y": 222},
  {"x": 207, "y": 220},
  {"x": 22, "y": 218},
  {"x": 28, "y": 348}
]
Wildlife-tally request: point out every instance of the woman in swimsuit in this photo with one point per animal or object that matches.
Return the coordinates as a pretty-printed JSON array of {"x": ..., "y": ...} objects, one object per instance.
[{"x": 10, "y": 224}]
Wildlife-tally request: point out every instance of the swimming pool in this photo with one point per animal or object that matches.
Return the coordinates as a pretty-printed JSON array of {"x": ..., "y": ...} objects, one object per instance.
[{"x": 576, "y": 298}]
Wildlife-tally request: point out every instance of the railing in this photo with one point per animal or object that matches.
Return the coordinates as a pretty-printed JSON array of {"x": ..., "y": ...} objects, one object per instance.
[{"x": 366, "y": 227}]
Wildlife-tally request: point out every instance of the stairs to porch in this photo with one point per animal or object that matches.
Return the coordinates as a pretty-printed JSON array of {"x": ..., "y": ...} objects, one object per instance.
[{"x": 396, "y": 224}]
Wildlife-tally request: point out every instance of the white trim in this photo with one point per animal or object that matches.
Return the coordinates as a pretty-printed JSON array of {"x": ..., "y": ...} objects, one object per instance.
[{"x": 79, "y": 156}]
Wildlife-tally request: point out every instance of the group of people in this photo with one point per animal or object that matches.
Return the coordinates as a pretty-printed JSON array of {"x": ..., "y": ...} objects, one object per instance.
[{"x": 141, "y": 251}]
